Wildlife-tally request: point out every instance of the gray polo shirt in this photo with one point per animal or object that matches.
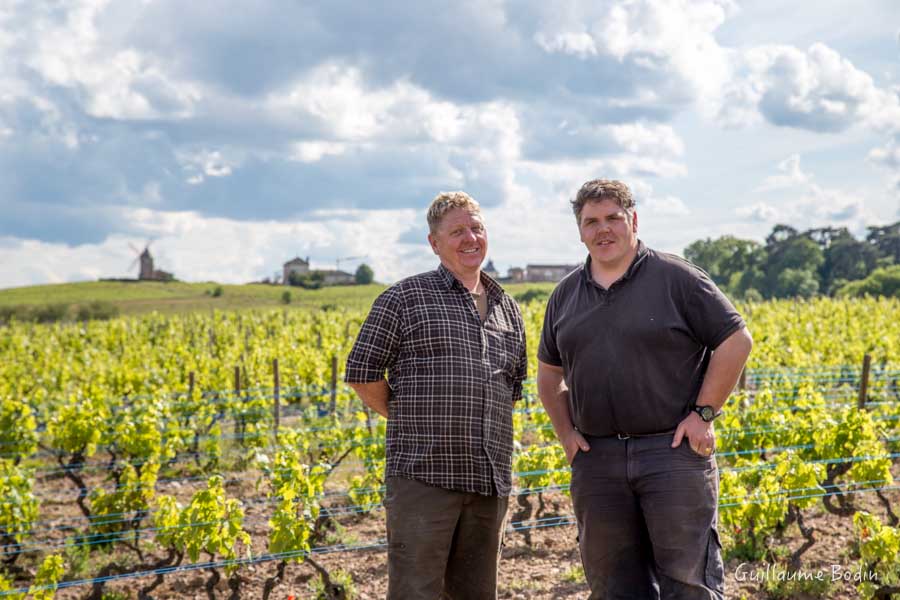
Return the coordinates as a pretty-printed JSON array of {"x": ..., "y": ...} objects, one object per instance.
[{"x": 634, "y": 356}]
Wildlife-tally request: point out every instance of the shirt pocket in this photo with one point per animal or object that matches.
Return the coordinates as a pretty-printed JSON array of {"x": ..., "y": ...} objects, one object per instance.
[{"x": 505, "y": 346}]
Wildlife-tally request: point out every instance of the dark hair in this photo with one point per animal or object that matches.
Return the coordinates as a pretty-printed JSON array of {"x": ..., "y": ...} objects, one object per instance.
[{"x": 602, "y": 189}]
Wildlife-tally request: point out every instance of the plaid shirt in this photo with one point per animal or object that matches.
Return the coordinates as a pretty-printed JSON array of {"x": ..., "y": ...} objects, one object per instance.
[{"x": 453, "y": 380}]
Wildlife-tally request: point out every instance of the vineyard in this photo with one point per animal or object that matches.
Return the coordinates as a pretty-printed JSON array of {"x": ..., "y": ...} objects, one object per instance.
[{"x": 217, "y": 455}]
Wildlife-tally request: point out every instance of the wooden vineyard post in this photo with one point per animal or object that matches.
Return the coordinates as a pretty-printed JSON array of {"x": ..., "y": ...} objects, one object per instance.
[
  {"x": 191, "y": 381},
  {"x": 334, "y": 369},
  {"x": 238, "y": 433},
  {"x": 276, "y": 393},
  {"x": 864, "y": 382}
]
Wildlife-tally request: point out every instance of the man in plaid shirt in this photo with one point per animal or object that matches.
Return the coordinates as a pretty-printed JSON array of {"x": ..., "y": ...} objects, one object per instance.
[{"x": 453, "y": 345}]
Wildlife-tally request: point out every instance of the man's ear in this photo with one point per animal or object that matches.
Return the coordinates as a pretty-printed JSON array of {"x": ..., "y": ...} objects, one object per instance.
[
  {"x": 634, "y": 222},
  {"x": 433, "y": 243}
]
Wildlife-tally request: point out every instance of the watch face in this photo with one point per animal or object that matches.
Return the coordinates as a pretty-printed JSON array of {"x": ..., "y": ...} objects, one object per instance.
[{"x": 706, "y": 413}]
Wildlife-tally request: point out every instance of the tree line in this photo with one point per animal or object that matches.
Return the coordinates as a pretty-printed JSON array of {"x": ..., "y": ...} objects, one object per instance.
[{"x": 791, "y": 263}]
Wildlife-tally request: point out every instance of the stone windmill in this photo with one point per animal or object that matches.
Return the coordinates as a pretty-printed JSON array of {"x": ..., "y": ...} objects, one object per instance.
[{"x": 147, "y": 271}]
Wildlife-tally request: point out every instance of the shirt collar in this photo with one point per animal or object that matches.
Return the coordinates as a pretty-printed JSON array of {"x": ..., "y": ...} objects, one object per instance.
[
  {"x": 636, "y": 263},
  {"x": 492, "y": 288}
]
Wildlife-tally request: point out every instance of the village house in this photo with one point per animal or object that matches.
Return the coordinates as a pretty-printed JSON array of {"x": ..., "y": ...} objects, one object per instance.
[{"x": 295, "y": 265}]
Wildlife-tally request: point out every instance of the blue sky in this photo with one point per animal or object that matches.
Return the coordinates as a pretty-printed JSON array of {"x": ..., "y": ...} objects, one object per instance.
[{"x": 238, "y": 137}]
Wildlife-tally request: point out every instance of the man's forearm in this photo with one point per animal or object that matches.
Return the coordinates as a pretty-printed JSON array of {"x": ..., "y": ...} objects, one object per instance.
[
  {"x": 375, "y": 395},
  {"x": 724, "y": 369},
  {"x": 554, "y": 396}
]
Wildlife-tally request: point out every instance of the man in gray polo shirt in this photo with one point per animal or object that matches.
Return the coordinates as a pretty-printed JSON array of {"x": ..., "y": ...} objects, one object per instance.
[{"x": 638, "y": 354}]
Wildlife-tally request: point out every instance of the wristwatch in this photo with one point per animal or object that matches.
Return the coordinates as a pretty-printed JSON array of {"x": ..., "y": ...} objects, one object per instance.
[{"x": 706, "y": 412}]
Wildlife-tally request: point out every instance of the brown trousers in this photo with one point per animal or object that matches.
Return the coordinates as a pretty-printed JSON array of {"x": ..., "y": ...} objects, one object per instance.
[{"x": 442, "y": 544}]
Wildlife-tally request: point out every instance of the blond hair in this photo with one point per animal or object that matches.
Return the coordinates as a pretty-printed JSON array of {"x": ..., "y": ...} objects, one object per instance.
[{"x": 447, "y": 201}]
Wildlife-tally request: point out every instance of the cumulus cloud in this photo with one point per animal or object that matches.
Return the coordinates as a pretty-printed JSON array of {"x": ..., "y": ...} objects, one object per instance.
[
  {"x": 316, "y": 113},
  {"x": 804, "y": 203},
  {"x": 666, "y": 206},
  {"x": 790, "y": 175},
  {"x": 887, "y": 155},
  {"x": 191, "y": 246},
  {"x": 759, "y": 212},
  {"x": 816, "y": 89}
]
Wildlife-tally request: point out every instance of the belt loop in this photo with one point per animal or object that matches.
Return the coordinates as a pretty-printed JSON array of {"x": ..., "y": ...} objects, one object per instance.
[{"x": 623, "y": 436}]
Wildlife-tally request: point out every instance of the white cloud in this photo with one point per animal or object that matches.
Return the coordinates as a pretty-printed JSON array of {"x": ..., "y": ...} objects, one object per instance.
[
  {"x": 675, "y": 39},
  {"x": 197, "y": 248},
  {"x": 887, "y": 155},
  {"x": 791, "y": 175},
  {"x": 665, "y": 206},
  {"x": 111, "y": 80},
  {"x": 760, "y": 212},
  {"x": 205, "y": 163},
  {"x": 313, "y": 151},
  {"x": 579, "y": 44},
  {"x": 817, "y": 89},
  {"x": 803, "y": 203},
  {"x": 642, "y": 139}
]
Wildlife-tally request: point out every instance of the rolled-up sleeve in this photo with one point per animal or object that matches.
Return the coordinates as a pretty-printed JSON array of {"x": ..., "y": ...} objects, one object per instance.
[{"x": 378, "y": 342}]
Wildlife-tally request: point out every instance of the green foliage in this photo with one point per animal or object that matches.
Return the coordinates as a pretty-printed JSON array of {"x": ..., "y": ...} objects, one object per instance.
[
  {"x": 77, "y": 427},
  {"x": 217, "y": 291},
  {"x": 879, "y": 552},
  {"x": 532, "y": 295},
  {"x": 18, "y": 435},
  {"x": 41, "y": 313},
  {"x": 286, "y": 297},
  {"x": 311, "y": 281},
  {"x": 48, "y": 576},
  {"x": 297, "y": 488},
  {"x": 364, "y": 274},
  {"x": 785, "y": 584},
  {"x": 794, "y": 264},
  {"x": 211, "y": 523},
  {"x": 799, "y": 283},
  {"x": 99, "y": 310},
  {"x": 726, "y": 259},
  {"x": 7, "y": 586},
  {"x": 884, "y": 281},
  {"x": 340, "y": 578},
  {"x": 18, "y": 504}
]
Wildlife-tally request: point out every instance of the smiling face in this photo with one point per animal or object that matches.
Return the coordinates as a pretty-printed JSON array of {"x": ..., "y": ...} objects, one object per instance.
[
  {"x": 610, "y": 234},
  {"x": 460, "y": 240}
]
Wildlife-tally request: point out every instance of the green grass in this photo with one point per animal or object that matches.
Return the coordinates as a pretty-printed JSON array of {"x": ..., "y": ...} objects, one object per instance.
[{"x": 180, "y": 297}]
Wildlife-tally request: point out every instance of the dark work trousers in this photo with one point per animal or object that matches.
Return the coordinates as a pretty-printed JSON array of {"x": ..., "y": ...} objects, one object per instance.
[
  {"x": 647, "y": 519},
  {"x": 442, "y": 544}
]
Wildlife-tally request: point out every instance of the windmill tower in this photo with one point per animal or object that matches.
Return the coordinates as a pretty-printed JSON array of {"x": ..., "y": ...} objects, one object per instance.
[
  {"x": 146, "y": 261},
  {"x": 146, "y": 264}
]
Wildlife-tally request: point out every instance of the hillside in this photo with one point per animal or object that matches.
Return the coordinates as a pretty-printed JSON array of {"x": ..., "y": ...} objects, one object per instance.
[{"x": 180, "y": 297}]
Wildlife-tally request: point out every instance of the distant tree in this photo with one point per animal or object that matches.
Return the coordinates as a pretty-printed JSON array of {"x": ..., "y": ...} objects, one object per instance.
[
  {"x": 217, "y": 291},
  {"x": 286, "y": 297},
  {"x": 847, "y": 259},
  {"x": 786, "y": 249},
  {"x": 884, "y": 281},
  {"x": 793, "y": 263},
  {"x": 310, "y": 281},
  {"x": 801, "y": 283},
  {"x": 727, "y": 260},
  {"x": 364, "y": 274},
  {"x": 886, "y": 241}
]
